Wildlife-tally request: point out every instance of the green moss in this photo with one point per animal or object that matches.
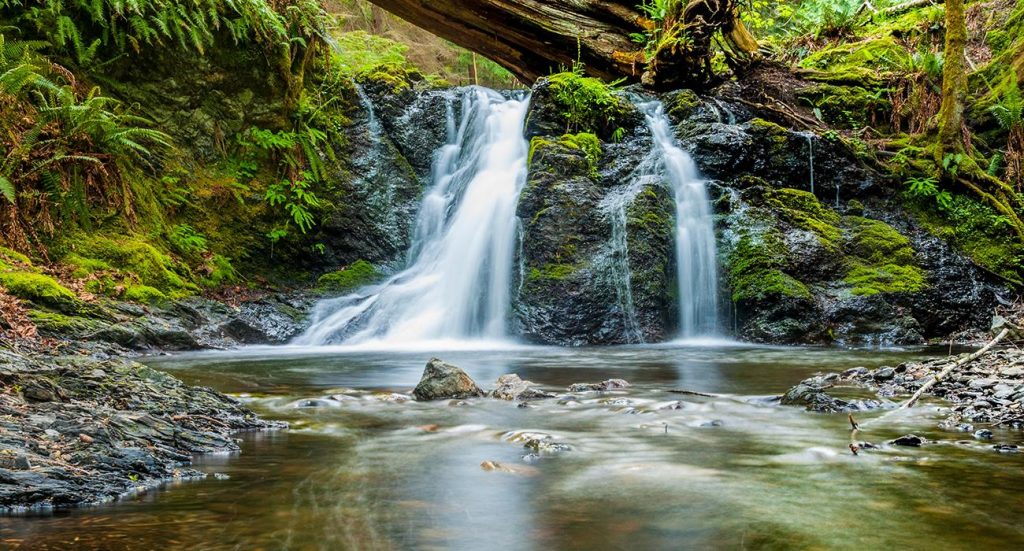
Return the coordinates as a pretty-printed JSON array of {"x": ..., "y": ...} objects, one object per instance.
[
  {"x": 887, "y": 278},
  {"x": 221, "y": 272},
  {"x": 551, "y": 272},
  {"x": 39, "y": 289},
  {"x": 10, "y": 257},
  {"x": 356, "y": 275},
  {"x": 681, "y": 104},
  {"x": 60, "y": 324},
  {"x": 881, "y": 259},
  {"x": 587, "y": 144},
  {"x": 397, "y": 77},
  {"x": 803, "y": 210},
  {"x": 754, "y": 267},
  {"x": 875, "y": 242},
  {"x": 141, "y": 260},
  {"x": 144, "y": 294},
  {"x": 83, "y": 267},
  {"x": 851, "y": 107}
]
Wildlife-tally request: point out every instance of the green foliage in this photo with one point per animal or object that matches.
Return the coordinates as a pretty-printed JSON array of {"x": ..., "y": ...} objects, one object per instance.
[
  {"x": 356, "y": 275},
  {"x": 186, "y": 240},
  {"x": 81, "y": 28},
  {"x": 1009, "y": 107},
  {"x": 297, "y": 199},
  {"x": 587, "y": 104},
  {"x": 68, "y": 147}
]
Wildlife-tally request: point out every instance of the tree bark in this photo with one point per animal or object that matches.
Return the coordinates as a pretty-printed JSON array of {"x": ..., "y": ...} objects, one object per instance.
[
  {"x": 533, "y": 38},
  {"x": 954, "y": 82}
]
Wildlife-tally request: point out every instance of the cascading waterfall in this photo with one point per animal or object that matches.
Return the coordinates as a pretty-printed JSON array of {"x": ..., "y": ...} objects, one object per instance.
[
  {"x": 696, "y": 265},
  {"x": 458, "y": 276}
]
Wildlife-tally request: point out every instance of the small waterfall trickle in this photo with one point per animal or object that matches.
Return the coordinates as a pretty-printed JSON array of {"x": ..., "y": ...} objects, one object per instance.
[
  {"x": 809, "y": 136},
  {"x": 696, "y": 263},
  {"x": 457, "y": 282},
  {"x": 617, "y": 268}
]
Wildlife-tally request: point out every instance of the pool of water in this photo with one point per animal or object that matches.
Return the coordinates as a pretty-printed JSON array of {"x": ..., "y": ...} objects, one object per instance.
[{"x": 647, "y": 468}]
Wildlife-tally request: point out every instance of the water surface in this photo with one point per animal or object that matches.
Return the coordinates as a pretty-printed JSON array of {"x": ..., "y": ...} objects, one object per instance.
[{"x": 647, "y": 469}]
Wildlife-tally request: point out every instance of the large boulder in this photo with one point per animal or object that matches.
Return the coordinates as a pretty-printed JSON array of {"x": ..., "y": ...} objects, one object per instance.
[
  {"x": 444, "y": 381},
  {"x": 597, "y": 249}
]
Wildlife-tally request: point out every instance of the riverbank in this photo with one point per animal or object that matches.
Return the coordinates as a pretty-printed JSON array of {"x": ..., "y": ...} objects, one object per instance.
[{"x": 79, "y": 430}]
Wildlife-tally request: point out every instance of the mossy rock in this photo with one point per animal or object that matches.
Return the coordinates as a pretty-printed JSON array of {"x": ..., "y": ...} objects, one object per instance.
[
  {"x": 550, "y": 272},
  {"x": 681, "y": 104},
  {"x": 39, "y": 289},
  {"x": 60, "y": 325},
  {"x": 755, "y": 269},
  {"x": 887, "y": 278},
  {"x": 137, "y": 258},
  {"x": 356, "y": 275},
  {"x": 803, "y": 210},
  {"x": 11, "y": 257}
]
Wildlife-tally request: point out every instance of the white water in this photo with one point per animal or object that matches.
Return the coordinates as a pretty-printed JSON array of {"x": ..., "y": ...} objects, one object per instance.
[
  {"x": 696, "y": 264},
  {"x": 458, "y": 276},
  {"x": 809, "y": 136}
]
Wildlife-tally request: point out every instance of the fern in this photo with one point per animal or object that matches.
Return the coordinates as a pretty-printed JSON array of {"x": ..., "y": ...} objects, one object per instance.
[{"x": 7, "y": 189}]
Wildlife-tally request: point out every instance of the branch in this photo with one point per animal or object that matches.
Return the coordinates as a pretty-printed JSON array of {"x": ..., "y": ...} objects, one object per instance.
[{"x": 924, "y": 388}]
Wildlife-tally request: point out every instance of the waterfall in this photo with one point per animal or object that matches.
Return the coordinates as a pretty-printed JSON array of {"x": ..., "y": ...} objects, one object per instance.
[
  {"x": 457, "y": 281},
  {"x": 696, "y": 264}
]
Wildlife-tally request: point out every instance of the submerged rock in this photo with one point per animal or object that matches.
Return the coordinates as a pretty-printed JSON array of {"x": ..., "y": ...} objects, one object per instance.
[
  {"x": 444, "y": 381},
  {"x": 910, "y": 440},
  {"x": 511, "y": 387},
  {"x": 610, "y": 384},
  {"x": 811, "y": 394}
]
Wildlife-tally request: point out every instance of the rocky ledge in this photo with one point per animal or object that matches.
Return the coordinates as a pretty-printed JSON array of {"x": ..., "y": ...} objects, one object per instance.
[
  {"x": 989, "y": 390},
  {"x": 80, "y": 430}
]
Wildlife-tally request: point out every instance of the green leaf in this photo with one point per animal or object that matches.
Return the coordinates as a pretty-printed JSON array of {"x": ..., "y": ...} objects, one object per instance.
[{"x": 7, "y": 189}]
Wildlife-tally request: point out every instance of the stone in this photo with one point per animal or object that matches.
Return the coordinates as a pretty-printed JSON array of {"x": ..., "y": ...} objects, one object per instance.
[
  {"x": 444, "y": 381},
  {"x": 610, "y": 384},
  {"x": 884, "y": 373},
  {"x": 983, "y": 434},
  {"x": 21, "y": 462},
  {"x": 511, "y": 387},
  {"x": 911, "y": 440},
  {"x": 983, "y": 383}
]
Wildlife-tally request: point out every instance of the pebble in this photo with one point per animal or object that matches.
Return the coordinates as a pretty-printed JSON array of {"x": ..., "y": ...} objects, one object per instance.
[
  {"x": 1005, "y": 448},
  {"x": 983, "y": 434},
  {"x": 22, "y": 462},
  {"x": 85, "y": 438}
]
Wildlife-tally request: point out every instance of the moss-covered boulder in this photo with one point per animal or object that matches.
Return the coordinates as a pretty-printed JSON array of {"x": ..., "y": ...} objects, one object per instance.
[
  {"x": 798, "y": 271},
  {"x": 597, "y": 245},
  {"x": 351, "y": 277}
]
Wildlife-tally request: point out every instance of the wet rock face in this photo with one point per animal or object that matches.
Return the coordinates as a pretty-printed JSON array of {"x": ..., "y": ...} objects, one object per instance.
[{"x": 444, "y": 381}]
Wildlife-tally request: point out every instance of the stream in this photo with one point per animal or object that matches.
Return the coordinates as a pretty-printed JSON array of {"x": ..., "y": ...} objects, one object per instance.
[{"x": 646, "y": 468}]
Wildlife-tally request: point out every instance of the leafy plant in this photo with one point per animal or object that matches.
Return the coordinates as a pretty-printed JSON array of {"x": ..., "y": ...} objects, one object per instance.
[
  {"x": 297, "y": 200},
  {"x": 186, "y": 240}
]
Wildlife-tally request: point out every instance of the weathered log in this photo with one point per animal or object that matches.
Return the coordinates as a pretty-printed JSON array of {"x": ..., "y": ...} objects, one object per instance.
[{"x": 533, "y": 38}]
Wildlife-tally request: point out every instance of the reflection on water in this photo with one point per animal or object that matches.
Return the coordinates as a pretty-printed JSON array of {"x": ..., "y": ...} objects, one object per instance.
[{"x": 647, "y": 468}]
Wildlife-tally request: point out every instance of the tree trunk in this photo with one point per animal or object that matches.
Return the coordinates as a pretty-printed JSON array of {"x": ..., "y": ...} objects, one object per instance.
[
  {"x": 954, "y": 82},
  {"x": 533, "y": 38}
]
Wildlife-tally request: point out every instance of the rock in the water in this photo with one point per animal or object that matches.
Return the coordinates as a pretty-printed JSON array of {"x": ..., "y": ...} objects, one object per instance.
[
  {"x": 511, "y": 387},
  {"x": 610, "y": 384},
  {"x": 443, "y": 381},
  {"x": 983, "y": 434},
  {"x": 911, "y": 440}
]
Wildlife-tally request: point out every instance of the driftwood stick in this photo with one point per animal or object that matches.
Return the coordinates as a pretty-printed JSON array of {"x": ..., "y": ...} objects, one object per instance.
[{"x": 948, "y": 369}]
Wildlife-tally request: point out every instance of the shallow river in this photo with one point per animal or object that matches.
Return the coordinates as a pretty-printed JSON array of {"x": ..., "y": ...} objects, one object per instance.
[{"x": 728, "y": 471}]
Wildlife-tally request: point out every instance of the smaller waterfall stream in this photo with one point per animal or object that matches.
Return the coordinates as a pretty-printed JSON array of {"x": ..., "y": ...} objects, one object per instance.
[
  {"x": 457, "y": 281},
  {"x": 809, "y": 136},
  {"x": 696, "y": 263}
]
